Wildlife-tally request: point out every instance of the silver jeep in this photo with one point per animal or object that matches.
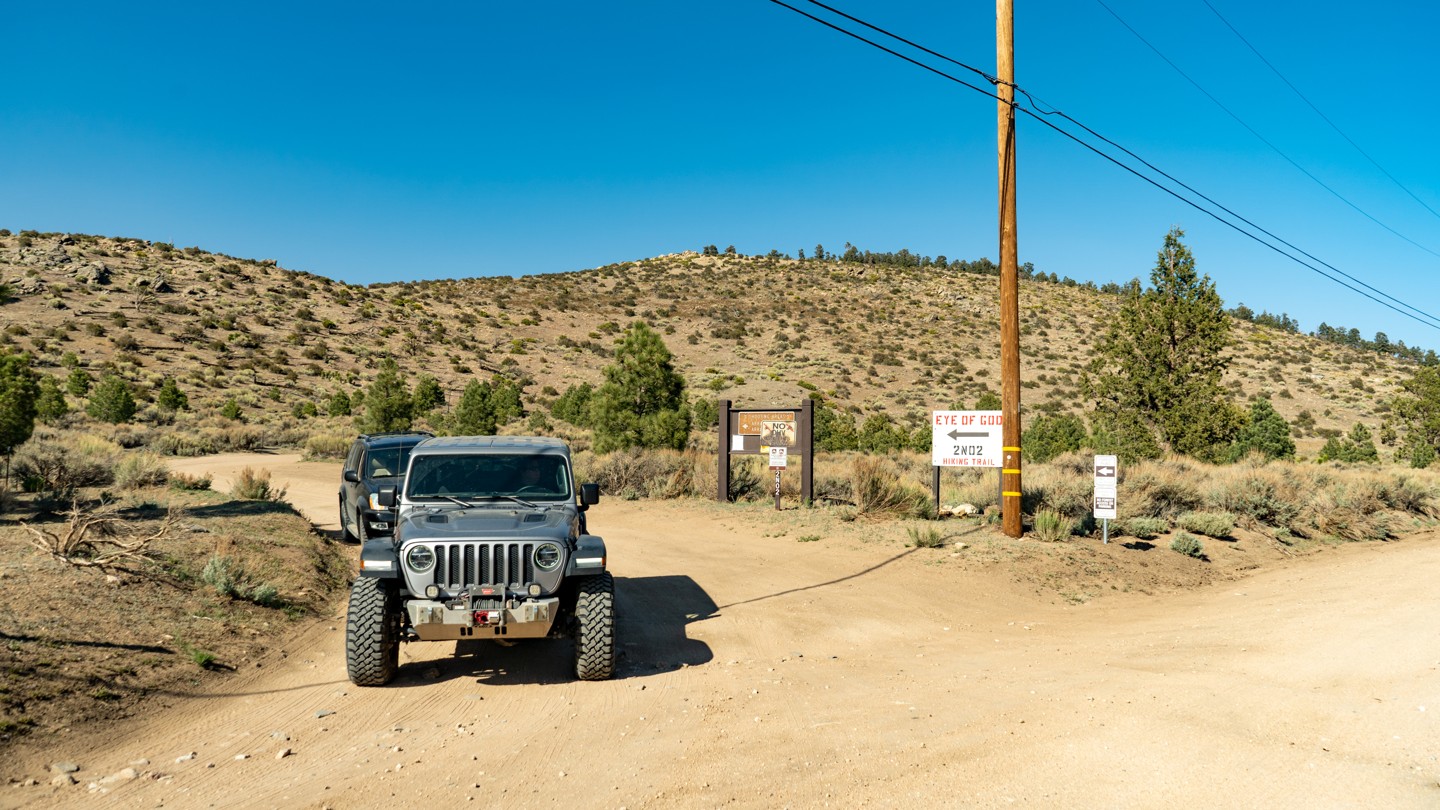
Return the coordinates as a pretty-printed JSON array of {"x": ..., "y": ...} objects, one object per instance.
[{"x": 490, "y": 543}]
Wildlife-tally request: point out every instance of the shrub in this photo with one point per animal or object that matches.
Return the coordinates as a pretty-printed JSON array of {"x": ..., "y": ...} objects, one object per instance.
[
  {"x": 326, "y": 445},
  {"x": 1051, "y": 526},
  {"x": 50, "y": 463},
  {"x": 251, "y": 485},
  {"x": 141, "y": 469},
  {"x": 1189, "y": 545},
  {"x": 111, "y": 400},
  {"x": 879, "y": 490},
  {"x": 928, "y": 537},
  {"x": 1210, "y": 524},
  {"x": 1143, "y": 526},
  {"x": 189, "y": 482},
  {"x": 183, "y": 444}
]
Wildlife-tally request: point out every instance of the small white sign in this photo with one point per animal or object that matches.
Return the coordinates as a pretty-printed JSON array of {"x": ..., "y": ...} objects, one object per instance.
[
  {"x": 1107, "y": 472},
  {"x": 966, "y": 439},
  {"x": 777, "y": 457}
]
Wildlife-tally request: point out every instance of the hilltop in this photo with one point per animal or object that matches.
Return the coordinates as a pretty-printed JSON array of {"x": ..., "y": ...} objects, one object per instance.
[{"x": 758, "y": 330}]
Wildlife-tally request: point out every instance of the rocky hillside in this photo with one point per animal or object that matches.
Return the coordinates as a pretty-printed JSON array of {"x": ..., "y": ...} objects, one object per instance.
[{"x": 760, "y": 331}]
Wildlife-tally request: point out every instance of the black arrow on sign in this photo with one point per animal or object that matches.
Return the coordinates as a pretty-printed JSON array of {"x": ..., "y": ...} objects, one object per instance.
[{"x": 955, "y": 434}]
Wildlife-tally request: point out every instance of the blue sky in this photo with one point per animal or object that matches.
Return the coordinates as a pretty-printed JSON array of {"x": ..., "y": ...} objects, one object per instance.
[{"x": 375, "y": 142}]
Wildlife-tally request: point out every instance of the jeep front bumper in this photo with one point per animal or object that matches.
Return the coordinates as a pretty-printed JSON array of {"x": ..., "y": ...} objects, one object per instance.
[{"x": 514, "y": 618}]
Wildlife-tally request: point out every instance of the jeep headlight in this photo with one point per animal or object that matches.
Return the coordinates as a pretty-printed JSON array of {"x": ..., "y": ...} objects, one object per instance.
[
  {"x": 547, "y": 556},
  {"x": 420, "y": 559},
  {"x": 375, "y": 502}
]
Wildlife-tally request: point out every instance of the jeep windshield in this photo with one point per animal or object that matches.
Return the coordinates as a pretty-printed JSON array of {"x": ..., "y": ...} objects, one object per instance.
[{"x": 452, "y": 478}]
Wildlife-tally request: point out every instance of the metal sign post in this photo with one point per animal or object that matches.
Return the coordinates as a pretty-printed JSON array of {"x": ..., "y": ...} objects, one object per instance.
[
  {"x": 1106, "y": 474},
  {"x": 777, "y": 463}
]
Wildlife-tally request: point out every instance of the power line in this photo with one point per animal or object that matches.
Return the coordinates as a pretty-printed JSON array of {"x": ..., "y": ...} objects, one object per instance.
[
  {"x": 1041, "y": 117},
  {"x": 1277, "y": 150},
  {"x": 1322, "y": 115},
  {"x": 1151, "y": 166}
]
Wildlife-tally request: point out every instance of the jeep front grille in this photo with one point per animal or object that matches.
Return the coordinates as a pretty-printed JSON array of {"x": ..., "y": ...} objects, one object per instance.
[{"x": 462, "y": 565}]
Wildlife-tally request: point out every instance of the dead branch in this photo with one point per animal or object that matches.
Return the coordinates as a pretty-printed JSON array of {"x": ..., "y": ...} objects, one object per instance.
[{"x": 102, "y": 538}]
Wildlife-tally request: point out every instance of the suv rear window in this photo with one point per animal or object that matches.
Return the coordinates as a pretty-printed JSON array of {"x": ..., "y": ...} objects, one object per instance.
[
  {"x": 529, "y": 476},
  {"x": 387, "y": 461}
]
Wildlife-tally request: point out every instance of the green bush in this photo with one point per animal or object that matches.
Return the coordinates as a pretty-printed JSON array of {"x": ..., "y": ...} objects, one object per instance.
[
  {"x": 1188, "y": 544},
  {"x": 928, "y": 537},
  {"x": 1210, "y": 524},
  {"x": 327, "y": 446},
  {"x": 1051, "y": 526},
  {"x": 54, "y": 464},
  {"x": 141, "y": 469},
  {"x": 1143, "y": 526},
  {"x": 111, "y": 400}
]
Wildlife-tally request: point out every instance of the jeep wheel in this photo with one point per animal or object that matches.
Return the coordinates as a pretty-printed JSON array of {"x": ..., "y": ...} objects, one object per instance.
[
  {"x": 372, "y": 643},
  {"x": 345, "y": 534},
  {"x": 595, "y": 628}
]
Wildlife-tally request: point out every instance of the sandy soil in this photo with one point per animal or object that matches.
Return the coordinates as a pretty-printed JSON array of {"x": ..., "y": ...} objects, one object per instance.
[{"x": 758, "y": 671}]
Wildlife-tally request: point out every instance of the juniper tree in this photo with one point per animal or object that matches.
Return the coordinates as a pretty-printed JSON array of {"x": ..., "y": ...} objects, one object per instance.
[
  {"x": 19, "y": 390},
  {"x": 1156, "y": 376},
  {"x": 642, "y": 401},
  {"x": 111, "y": 400},
  {"x": 388, "y": 404},
  {"x": 1418, "y": 412}
]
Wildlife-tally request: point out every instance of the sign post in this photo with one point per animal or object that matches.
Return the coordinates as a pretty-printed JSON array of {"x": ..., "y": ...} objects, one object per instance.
[
  {"x": 1106, "y": 474},
  {"x": 964, "y": 439},
  {"x": 777, "y": 463},
  {"x": 749, "y": 432}
]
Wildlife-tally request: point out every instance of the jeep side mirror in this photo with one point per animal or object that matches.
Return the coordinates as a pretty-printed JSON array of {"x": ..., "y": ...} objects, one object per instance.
[
  {"x": 386, "y": 497},
  {"x": 352, "y": 476},
  {"x": 589, "y": 495}
]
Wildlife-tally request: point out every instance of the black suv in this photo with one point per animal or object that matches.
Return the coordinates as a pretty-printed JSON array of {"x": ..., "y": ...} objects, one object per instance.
[{"x": 375, "y": 460}]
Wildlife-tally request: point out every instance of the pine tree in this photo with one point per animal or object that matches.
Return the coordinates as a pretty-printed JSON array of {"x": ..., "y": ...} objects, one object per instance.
[
  {"x": 389, "y": 407},
  {"x": 111, "y": 400},
  {"x": 428, "y": 394},
  {"x": 473, "y": 415},
  {"x": 1050, "y": 436},
  {"x": 19, "y": 390},
  {"x": 170, "y": 397},
  {"x": 50, "y": 404},
  {"x": 642, "y": 402},
  {"x": 1266, "y": 431},
  {"x": 1418, "y": 412},
  {"x": 1156, "y": 377},
  {"x": 338, "y": 404}
]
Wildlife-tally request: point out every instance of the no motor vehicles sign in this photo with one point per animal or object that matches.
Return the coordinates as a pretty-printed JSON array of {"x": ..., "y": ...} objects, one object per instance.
[{"x": 966, "y": 438}]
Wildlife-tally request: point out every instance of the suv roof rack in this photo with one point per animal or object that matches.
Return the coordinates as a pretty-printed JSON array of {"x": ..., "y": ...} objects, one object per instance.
[{"x": 398, "y": 433}]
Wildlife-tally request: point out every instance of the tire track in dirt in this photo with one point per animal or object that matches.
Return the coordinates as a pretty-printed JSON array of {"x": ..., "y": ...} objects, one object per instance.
[{"x": 759, "y": 671}]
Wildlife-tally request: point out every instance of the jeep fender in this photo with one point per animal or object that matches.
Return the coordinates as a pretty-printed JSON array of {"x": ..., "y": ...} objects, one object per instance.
[
  {"x": 378, "y": 558},
  {"x": 589, "y": 557}
]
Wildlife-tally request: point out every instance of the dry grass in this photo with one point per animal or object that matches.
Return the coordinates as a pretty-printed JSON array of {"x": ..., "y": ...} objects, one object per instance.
[{"x": 277, "y": 340}]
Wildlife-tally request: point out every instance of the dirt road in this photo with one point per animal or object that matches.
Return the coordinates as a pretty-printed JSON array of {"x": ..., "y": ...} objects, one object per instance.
[{"x": 759, "y": 671}]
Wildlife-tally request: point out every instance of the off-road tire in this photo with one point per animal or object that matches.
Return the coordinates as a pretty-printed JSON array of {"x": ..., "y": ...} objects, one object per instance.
[
  {"x": 372, "y": 633},
  {"x": 595, "y": 628},
  {"x": 345, "y": 534}
]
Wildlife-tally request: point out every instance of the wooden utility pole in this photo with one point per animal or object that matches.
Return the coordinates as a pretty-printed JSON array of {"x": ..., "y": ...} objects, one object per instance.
[{"x": 1009, "y": 274}]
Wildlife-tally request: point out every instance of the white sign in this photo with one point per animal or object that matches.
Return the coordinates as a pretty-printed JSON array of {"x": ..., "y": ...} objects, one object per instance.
[
  {"x": 966, "y": 439},
  {"x": 1107, "y": 472},
  {"x": 777, "y": 458}
]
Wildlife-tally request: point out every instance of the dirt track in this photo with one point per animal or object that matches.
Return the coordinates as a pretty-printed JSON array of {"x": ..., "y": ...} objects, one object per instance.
[{"x": 758, "y": 671}]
